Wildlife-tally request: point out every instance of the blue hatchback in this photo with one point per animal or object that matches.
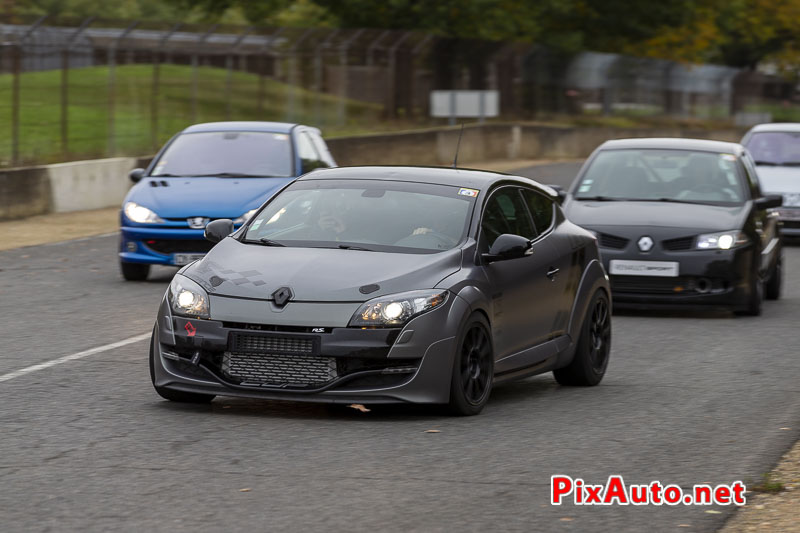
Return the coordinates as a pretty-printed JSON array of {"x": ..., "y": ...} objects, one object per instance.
[{"x": 206, "y": 172}]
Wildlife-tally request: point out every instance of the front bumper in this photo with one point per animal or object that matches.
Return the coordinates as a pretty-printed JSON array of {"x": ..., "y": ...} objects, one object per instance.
[
  {"x": 412, "y": 364},
  {"x": 715, "y": 278},
  {"x": 159, "y": 246}
]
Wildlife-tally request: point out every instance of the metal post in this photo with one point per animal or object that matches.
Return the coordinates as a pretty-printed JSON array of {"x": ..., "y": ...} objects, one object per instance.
[
  {"x": 200, "y": 41},
  {"x": 65, "y": 83},
  {"x": 112, "y": 63},
  {"x": 318, "y": 64},
  {"x": 374, "y": 45},
  {"x": 16, "y": 68},
  {"x": 292, "y": 58},
  {"x": 269, "y": 45},
  {"x": 391, "y": 90},
  {"x": 229, "y": 74},
  {"x": 156, "y": 82},
  {"x": 64, "y": 102},
  {"x": 343, "y": 81},
  {"x": 412, "y": 78}
]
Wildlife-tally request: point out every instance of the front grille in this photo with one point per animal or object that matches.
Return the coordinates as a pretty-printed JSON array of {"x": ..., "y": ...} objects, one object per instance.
[
  {"x": 647, "y": 285},
  {"x": 172, "y": 246},
  {"x": 273, "y": 344},
  {"x": 674, "y": 286},
  {"x": 278, "y": 370},
  {"x": 682, "y": 243},
  {"x": 791, "y": 224},
  {"x": 612, "y": 241}
]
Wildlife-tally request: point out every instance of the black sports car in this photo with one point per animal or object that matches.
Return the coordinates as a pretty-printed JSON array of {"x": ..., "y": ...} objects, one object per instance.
[
  {"x": 387, "y": 284},
  {"x": 680, "y": 221}
]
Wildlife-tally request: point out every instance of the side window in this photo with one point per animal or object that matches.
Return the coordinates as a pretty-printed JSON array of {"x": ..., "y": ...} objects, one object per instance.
[
  {"x": 505, "y": 213},
  {"x": 752, "y": 175},
  {"x": 322, "y": 149},
  {"x": 308, "y": 154},
  {"x": 541, "y": 209}
]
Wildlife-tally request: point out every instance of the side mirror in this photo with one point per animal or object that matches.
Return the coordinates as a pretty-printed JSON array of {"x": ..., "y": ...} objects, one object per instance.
[
  {"x": 769, "y": 201},
  {"x": 216, "y": 230},
  {"x": 561, "y": 194},
  {"x": 507, "y": 246},
  {"x": 136, "y": 174}
]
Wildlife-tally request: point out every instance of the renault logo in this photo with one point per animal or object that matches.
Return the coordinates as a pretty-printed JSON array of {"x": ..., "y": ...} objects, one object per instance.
[
  {"x": 282, "y": 296},
  {"x": 197, "y": 222},
  {"x": 645, "y": 243}
]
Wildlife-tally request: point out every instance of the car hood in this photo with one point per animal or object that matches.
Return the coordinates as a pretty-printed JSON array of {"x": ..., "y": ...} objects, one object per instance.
[
  {"x": 779, "y": 180},
  {"x": 656, "y": 214},
  {"x": 204, "y": 197},
  {"x": 317, "y": 274}
]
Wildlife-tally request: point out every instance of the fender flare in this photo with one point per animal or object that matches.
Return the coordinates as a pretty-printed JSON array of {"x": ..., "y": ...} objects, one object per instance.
[{"x": 594, "y": 277}]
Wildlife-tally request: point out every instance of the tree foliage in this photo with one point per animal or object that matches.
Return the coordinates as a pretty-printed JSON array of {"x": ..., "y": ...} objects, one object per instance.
[{"x": 740, "y": 33}]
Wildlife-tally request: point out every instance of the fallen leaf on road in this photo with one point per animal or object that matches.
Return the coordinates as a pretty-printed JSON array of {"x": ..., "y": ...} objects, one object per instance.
[
  {"x": 566, "y": 519},
  {"x": 245, "y": 490},
  {"x": 711, "y": 511},
  {"x": 786, "y": 429},
  {"x": 432, "y": 431},
  {"x": 359, "y": 407},
  {"x": 684, "y": 525}
]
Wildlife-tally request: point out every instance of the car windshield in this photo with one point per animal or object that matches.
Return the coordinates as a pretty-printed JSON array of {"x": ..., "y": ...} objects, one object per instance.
[
  {"x": 227, "y": 153},
  {"x": 373, "y": 215},
  {"x": 662, "y": 176},
  {"x": 775, "y": 147}
]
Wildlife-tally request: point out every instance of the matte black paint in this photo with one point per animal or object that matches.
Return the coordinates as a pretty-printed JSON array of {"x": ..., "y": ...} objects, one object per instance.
[
  {"x": 534, "y": 314},
  {"x": 664, "y": 221}
]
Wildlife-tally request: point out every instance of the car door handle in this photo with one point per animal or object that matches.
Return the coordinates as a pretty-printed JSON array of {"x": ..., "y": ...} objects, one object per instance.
[{"x": 551, "y": 274}]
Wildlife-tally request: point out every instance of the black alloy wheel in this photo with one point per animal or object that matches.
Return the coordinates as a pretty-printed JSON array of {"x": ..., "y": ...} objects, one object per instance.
[
  {"x": 473, "y": 369},
  {"x": 588, "y": 365}
]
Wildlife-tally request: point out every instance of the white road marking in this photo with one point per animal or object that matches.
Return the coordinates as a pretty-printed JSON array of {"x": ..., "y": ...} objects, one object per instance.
[{"x": 73, "y": 357}]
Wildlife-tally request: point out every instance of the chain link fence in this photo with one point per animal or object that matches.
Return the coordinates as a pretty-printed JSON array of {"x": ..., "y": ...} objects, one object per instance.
[{"x": 95, "y": 88}]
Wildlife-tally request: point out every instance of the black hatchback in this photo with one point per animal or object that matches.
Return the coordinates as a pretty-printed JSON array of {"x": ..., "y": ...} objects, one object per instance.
[{"x": 680, "y": 222}]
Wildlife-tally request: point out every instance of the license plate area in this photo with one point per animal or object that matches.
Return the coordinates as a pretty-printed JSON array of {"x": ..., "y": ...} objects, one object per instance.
[
  {"x": 185, "y": 259},
  {"x": 663, "y": 269}
]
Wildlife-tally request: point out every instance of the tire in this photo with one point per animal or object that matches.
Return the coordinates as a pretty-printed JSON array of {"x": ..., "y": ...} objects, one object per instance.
[
  {"x": 754, "y": 297},
  {"x": 169, "y": 394},
  {"x": 772, "y": 289},
  {"x": 473, "y": 368},
  {"x": 589, "y": 364},
  {"x": 134, "y": 271}
]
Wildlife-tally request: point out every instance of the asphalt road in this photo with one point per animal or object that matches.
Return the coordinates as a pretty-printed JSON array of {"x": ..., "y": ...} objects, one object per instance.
[{"x": 88, "y": 446}]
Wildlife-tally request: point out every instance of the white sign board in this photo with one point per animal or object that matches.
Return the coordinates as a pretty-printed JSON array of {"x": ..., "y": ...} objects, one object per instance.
[{"x": 465, "y": 103}]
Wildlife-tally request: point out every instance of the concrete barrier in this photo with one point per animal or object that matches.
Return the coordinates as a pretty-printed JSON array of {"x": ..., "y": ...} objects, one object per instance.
[
  {"x": 493, "y": 142},
  {"x": 83, "y": 185}
]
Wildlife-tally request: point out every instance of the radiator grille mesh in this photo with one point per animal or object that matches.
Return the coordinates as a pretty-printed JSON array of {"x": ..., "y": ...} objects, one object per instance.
[{"x": 279, "y": 370}]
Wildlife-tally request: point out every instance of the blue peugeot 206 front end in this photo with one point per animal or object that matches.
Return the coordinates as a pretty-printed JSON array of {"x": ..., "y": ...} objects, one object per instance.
[{"x": 207, "y": 172}]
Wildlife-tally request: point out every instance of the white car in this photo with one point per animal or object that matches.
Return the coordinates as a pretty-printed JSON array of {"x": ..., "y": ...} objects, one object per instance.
[{"x": 776, "y": 151}]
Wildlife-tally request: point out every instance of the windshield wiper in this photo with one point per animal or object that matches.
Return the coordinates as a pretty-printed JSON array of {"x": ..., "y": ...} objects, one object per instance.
[
  {"x": 599, "y": 199},
  {"x": 791, "y": 164},
  {"x": 167, "y": 175},
  {"x": 268, "y": 242},
  {"x": 228, "y": 175},
  {"x": 353, "y": 247},
  {"x": 766, "y": 163}
]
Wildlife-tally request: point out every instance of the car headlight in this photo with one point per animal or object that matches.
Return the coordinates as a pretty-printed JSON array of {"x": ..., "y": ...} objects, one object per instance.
[
  {"x": 724, "y": 240},
  {"x": 187, "y": 297},
  {"x": 141, "y": 214},
  {"x": 397, "y": 309},
  {"x": 244, "y": 218}
]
